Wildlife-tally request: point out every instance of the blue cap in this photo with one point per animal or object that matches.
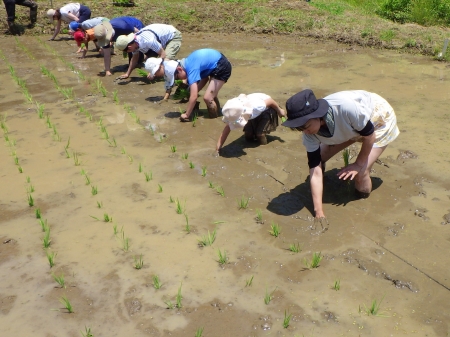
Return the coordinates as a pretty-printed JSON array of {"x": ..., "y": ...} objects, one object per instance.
[{"x": 74, "y": 25}]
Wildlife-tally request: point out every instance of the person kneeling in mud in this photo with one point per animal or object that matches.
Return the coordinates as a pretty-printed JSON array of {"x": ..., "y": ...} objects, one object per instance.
[
  {"x": 256, "y": 113},
  {"x": 333, "y": 123}
]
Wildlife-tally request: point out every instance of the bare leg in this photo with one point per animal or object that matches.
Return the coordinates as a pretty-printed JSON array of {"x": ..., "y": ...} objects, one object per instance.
[
  {"x": 210, "y": 97},
  {"x": 363, "y": 183},
  {"x": 328, "y": 151}
]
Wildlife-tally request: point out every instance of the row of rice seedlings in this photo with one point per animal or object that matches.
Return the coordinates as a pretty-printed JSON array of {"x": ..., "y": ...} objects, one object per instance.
[
  {"x": 135, "y": 117},
  {"x": 21, "y": 46},
  {"x": 106, "y": 218},
  {"x": 85, "y": 112},
  {"x": 178, "y": 300},
  {"x": 46, "y": 72},
  {"x": 21, "y": 83},
  {"x": 98, "y": 85}
]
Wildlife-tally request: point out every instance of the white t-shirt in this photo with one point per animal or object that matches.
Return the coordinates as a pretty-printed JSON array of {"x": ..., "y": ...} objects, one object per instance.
[
  {"x": 352, "y": 110},
  {"x": 72, "y": 8},
  {"x": 258, "y": 105}
]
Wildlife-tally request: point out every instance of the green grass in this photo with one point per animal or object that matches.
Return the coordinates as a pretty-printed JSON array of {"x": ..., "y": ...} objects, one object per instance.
[
  {"x": 203, "y": 171},
  {"x": 37, "y": 212},
  {"x": 199, "y": 332},
  {"x": 223, "y": 259},
  {"x": 315, "y": 261},
  {"x": 30, "y": 200},
  {"x": 249, "y": 282},
  {"x": 156, "y": 282},
  {"x": 148, "y": 176},
  {"x": 46, "y": 241},
  {"x": 138, "y": 262},
  {"x": 187, "y": 227},
  {"x": 374, "y": 308},
  {"x": 207, "y": 240},
  {"x": 94, "y": 190},
  {"x": 295, "y": 247},
  {"x": 179, "y": 298},
  {"x": 275, "y": 230},
  {"x": 243, "y": 202},
  {"x": 60, "y": 280},
  {"x": 220, "y": 190},
  {"x": 268, "y": 297},
  {"x": 179, "y": 209},
  {"x": 286, "y": 320},
  {"x": 51, "y": 258},
  {"x": 65, "y": 301},
  {"x": 337, "y": 285},
  {"x": 87, "y": 332}
]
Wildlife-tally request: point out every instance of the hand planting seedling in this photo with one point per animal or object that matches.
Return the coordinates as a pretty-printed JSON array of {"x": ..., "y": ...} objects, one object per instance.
[
  {"x": 65, "y": 301},
  {"x": 60, "y": 280},
  {"x": 142, "y": 73},
  {"x": 156, "y": 282},
  {"x": 286, "y": 320},
  {"x": 315, "y": 261},
  {"x": 223, "y": 259},
  {"x": 295, "y": 247},
  {"x": 138, "y": 263},
  {"x": 51, "y": 258},
  {"x": 275, "y": 230},
  {"x": 249, "y": 282},
  {"x": 243, "y": 202},
  {"x": 207, "y": 240}
]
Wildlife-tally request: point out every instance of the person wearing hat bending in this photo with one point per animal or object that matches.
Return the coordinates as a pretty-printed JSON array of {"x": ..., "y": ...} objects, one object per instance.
[
  {"x": 10, "y": 6},
  {"x": 158, "y": 67},
  {"x": 84, "y": 37},
  {"x": 152, "y": 41},
  {"x": 108, "y": 32},
  {"x": 331, "y": 124},
  {"x": 198, "y": 68},
  {"x": 68, "y": 13},
  {"x": 257, "y": 114},
  {"x": 88, "y": 24}
]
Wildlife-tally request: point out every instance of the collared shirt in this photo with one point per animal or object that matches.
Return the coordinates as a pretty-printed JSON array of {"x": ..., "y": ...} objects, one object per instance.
[{"x": 148, "y": 37}]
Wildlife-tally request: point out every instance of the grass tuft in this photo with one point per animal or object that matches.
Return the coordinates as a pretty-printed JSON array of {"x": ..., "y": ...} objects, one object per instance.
[
  {"x": 207, "y": 240},
  {"x": 286, "y": 320},
  {"x": 249, "y": 282},
  {"x": 295, "y": 247},
  {"x": 156, "y": 282},
  {"x": 60, "y": 280},
  {"x": 223, "y": 259},
  {"x": 315, "y": 261},
  {"x": 65, "y": 301},
  {"x": 243, "y": 202},
  {"x": 275, "y": 230},
  {"x": 138, "y": 262}
]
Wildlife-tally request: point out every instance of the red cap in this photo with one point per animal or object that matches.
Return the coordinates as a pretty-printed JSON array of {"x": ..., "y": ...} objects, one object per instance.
[{"x": 79, "y": 37}]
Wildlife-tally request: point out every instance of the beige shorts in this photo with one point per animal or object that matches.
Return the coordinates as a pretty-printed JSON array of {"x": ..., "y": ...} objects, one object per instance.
[{"x": 173, "y": 47}]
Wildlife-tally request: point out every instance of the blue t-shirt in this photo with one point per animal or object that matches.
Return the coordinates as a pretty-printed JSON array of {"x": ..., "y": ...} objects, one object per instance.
[
  {"x": 125, "y": 25},
  {"x": 200, "y": 64}
]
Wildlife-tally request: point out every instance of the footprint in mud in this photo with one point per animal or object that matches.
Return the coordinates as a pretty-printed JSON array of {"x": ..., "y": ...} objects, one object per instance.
[
  {"x": 118, "y": 119},
  {"x": 446, "y": 218}
]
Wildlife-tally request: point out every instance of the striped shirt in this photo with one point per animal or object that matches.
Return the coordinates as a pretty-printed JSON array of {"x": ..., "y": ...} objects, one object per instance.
[{"x": 147, "y": 40}]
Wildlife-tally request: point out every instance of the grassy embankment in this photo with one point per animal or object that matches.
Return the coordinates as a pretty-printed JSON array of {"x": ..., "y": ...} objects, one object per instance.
[{"x": 415, "y": 26}]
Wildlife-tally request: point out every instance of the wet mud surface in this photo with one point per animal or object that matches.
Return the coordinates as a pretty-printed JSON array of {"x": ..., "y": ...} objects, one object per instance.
[{"x": 390, "y": 248}]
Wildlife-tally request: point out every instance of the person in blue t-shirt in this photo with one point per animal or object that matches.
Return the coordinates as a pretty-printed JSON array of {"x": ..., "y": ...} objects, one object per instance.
[
  {"x": 108, "y": 32},
  {"x": 198, "y": 68}
]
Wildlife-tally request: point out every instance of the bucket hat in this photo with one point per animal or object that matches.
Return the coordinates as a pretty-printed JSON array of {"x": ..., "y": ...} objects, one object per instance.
[
  {"x": 123, "y": 41},
  {"x": 237, "y": 111},
  {"x": 103, "y": 33},
  {"x": 304, "y": 106},
  {"x": 152, "y": 65},
  {"x": 50, "y": 14}
]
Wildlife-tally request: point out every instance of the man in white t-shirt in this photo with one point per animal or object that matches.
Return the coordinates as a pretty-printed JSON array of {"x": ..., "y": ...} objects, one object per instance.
[
  {"x": 257, "y": 114},
  {"x": 333, "y": 123}
]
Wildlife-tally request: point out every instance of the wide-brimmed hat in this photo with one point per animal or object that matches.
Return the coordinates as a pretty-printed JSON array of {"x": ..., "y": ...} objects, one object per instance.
[
  {"x": 237, "y": 111},
  {"x": 170, "y": 67},
  {"x": 74, "y": 25},
  {"x": 152, "y": 65},
  {"x": 103, "y": 33},
  {"x": 304, "y": 106},
  {"x": 123, "y": 41},
  {"x": 50, "y": 14},
  {"x": 79, "y": 37}
]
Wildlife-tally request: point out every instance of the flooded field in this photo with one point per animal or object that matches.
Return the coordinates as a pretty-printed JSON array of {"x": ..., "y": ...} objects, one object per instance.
[{"x": 127, "y": 192}]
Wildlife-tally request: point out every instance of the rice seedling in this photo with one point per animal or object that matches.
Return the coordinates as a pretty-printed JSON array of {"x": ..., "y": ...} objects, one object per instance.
[
  {"x": 148, "y": 176},
  {"x": 184, "y": 156},
  {"x": 275, "y": 230},
  {"x": 259, "y": 217},
  {"x": 6, "y": 137},
  {"x": 60, "y": 280},
  {"x": 100, "y": 122},
  {"x": 83, "y": 172},
  {"x": 295, "y": 247},
  {"x": 130, "y": 158},
  {"x": 44, "y": 225},
  {"x": 374, "y": 308},
  {"x": 207, "y": 240},
  {"x": 101, "y": 88},
  {"x": 46, "y": 241},
  {"x": 187, "y": 228},
  {"x": 87, "y": 180},
  {"x": 94, "y": 190},
  {"x": 171, "y": 199},
  {"x": 138, "y": 263},
  {"x": 40, "y": 110},
  {"x": 243, "y": 202},
  {"x": 140, "y": 167},
  {"x": 199, "y": 332},
  {"x": 286, "y": 320},
  {"x": 346, "y": 156},
  {"x": 142, "y": 73},
  {"x": 115, "y": 229},
  {"x": 223, "y": 259},
  {"x": 16, "y": 160},
  {"x": 123, "y": 151},
  {"x": 191, "y": 165},
  {"x": 28, "y": 96},
  {"x": 125, "y": 242},
  {"x": 203, "y": 171},
  {"x": 107, "y": 218},
  {"x": 268, "y": 296},
  {"x": 67, "y": 153},
  {"x": 68, "y": 144},
  {"x": 249, "y": 282},
  {"x": 173, "y": 148},
  {"x": 337, "y": 285},
  {"x": 160, "y": 189},
  {"x": 315, "y": 261},
  {"x": 51, "y": 258},
  {"x": 20, "y": 169},
  {"x": 28, "y": 179},
  {"x": 48, "y": 122},
  {"x": 87, "y": 332},
  {"x": 169, "y": 304},
  {"x": 210, "y": 184},
  {"x": 194, "y": 119},
  {"x": 156, "y": 282},
  {"x": 115, "y": 96},
  {"x": 57, "y": 137},
  {"x": 99, "y": 204},
  {"x": 179, "y": 209},
  {"x": 105, "y": 134},
  {"x": 76, "y": 160},
  {"x": 112, "y": 142},
  {"x": 37, "y": 212},
  {"x": 179, "y": 297},
  {"x": 30, "y": 200},
  {"x": 65, "y": 301},
  {"x": 220, "y": 190},
  {"x": 66, "y": 92}
]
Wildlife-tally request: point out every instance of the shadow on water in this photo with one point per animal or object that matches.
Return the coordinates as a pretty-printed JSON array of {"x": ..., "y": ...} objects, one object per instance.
[
  {"x": 336, "y": 192},
  {"x": 237, "y": 147}
]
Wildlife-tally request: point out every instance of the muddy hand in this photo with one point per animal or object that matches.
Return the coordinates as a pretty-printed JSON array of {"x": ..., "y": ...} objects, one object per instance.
[
  {"x": 323, "y": 224},
  {"x": 349, "y": 172}
]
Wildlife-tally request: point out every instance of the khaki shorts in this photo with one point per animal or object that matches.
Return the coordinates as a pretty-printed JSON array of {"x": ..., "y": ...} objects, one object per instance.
[{"x": 173, "y": 47}]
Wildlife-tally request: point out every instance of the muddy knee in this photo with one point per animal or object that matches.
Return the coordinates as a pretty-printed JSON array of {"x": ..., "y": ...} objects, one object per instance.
[{"x": 262, "y": 139}]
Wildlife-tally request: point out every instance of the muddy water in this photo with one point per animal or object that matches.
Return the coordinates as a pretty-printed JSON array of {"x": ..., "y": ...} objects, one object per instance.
[{"x": 390, "y": 248}]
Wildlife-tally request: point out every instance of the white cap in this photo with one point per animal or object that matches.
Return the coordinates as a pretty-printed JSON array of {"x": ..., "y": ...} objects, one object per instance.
[
  {"x": 152, "y": 65},
  {"x": 169, "y": 72}
]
